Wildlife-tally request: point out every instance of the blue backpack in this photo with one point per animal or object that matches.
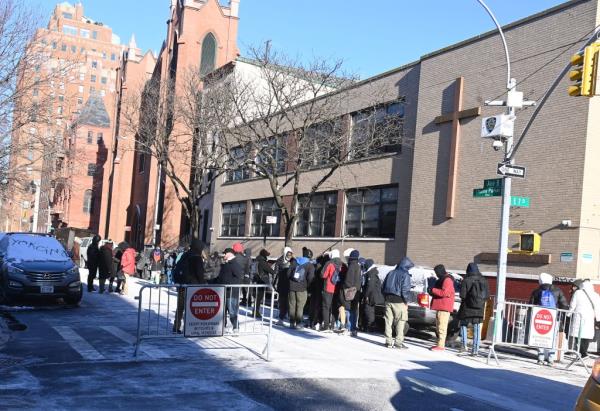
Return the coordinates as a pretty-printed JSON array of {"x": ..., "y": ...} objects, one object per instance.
[
  {"x": 299, "y": 274},
  {"x": 393, "y": 283},
  {"x": 547, "y": 299}
]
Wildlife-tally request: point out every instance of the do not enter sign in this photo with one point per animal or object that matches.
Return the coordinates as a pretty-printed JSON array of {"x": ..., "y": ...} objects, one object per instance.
[
  {"x": 542, "y": 330},
  {"x": 205, "y": 304},
  {"x": 204, "y": 311}
]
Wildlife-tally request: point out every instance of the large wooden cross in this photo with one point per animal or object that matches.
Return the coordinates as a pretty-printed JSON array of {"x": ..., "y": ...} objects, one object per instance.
[{"x": 455, "y": 117}]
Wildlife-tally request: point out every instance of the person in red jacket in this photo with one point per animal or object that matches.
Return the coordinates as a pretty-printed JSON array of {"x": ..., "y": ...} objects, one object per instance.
[
  {"x": 330, "y": 276},
  {"x": 443, "y": 303},
  {"x": 127, "y": 267}
]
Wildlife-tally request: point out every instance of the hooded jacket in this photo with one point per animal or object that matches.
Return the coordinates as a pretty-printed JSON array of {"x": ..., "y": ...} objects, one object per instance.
[
  {"x": 105, "y": 262},
  {"x": 586, "y": 303},
  {"x": 474, "y": 287},
  {"x": 546, "y": 284},
  {"x": 372, "y": 294},
  {"x": 396, "y": 286},
  {"x": 264, "y": 272},
  {"x": 283, "y": 264},
  {"x": 93, "y": 255},
  {"x": 333, "y": 265},
  {"x": 443, "y": 293},
  {"x": 299, "y": 286}
]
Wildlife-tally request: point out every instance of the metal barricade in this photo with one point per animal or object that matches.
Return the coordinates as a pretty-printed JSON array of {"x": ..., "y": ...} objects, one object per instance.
[
  {"x": 547, "y": 329},
  {"x": 162, "y": 309}
]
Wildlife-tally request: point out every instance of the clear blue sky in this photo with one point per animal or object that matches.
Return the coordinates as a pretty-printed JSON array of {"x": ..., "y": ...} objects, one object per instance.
[{"x": 371, "y": 36}]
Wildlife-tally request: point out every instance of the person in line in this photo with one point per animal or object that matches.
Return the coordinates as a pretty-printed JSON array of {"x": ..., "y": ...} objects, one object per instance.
[
  {"x": 105, "y": 264},
  {"x": 170, "y": 264},
  {"x": 585, "y": 303},
  {"x": 314, "y": 290},
  {"x": 549, "y": 296},
  {"x": 189, "y": 269},
  {"x": 371, "y": 295},
  {"x": 330, "y": 276},
  {"x": 264, "y": 275},
  {"x": 396, "y": 291},
  {"x": 474, "y": 293},
  {"x": 92, "y": 260},
  {"x": 349, "y": 293},
  {"x": 244, "y": 261},
  {"x": 156, "y": 265},
  {"x": 443, "y": 302},
  {"x": 116, "y": 261},
  {"x": 301, "y": 273},
  {"x": 231, "y": 274},
  {"x": 283, "y": 282},
  {"x": 127, "y": 268}
]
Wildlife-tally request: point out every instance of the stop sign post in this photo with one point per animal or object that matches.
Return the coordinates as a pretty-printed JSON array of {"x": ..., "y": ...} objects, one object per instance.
[
  {"x": 204, "y": 311},
  {"x": 542, "y": 329}
]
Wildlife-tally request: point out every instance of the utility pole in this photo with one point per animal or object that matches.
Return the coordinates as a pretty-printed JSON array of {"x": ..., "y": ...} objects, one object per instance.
[{"x": 513, "y": 102}]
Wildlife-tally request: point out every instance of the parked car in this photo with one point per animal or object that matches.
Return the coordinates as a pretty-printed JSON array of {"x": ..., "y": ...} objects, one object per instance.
[
  {"x": 83, "y": 246},
  {"x": 420, "y": 314},
  {"x": 589, "y": 398},
  {"x": 37, "y": 265}
]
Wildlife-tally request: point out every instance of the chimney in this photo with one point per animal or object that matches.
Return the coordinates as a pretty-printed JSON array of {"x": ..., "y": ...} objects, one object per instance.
[
  {"x": 234, "y": 7},
  {"x": 78, "y": 11}
]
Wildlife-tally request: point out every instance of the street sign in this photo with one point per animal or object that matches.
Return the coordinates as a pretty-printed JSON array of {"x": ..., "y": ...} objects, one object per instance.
[
  {"x": 510, "y": 170},
  {"x": 204, "y": 311},
  {"x": 542, "y": 331},
  {"x": 492, "y": 183},
  {"x": 516, "y": 201},
  {"x": 487, "y": 192},
  {"x": 271, "y": 219}
]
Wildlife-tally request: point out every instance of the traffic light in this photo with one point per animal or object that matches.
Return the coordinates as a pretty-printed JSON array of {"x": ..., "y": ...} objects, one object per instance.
[
  {"x": 530, "y": 243},
  {"x": 584, "y": 71}
]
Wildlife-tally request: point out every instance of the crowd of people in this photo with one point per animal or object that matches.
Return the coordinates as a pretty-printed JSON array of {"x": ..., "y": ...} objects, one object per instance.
[{"x": 334, "y": 292}]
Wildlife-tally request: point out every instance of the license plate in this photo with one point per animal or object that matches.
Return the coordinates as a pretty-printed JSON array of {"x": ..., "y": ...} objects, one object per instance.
[{"x": 47, "y": 289}]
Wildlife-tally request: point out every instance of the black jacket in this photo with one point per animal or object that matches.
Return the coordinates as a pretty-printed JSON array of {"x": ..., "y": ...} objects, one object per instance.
[
  {"x": 351, "y": 279},
  {"x": 105, "y": 263},
  {"x": 244, "y": 263},
  {"x": 265, "y": 272},
  {"x": 282, "y": 281},
  {"x": 231, "y": 273},
  {"x": 473, "y": 287},
  {"x": 372, "y": 294},
  {"x": 299, "y": 286},
  {"x": 92, "y": 256},
  {"x": 193, "y": 271},
  {"x": 559, "y": 297}
]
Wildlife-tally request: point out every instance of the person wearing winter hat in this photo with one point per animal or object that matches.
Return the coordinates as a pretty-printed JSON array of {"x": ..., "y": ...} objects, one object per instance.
[
  {"x": 443, "y": 303},
  {"x": 371, "y": 295},
  {"x": 330, "y": 275},
  {"x": 348, "y": 294},
  {"x": 474, "y": 292},
  {"x": 244, "y": 262},
  {"x": 547, "y": 295},
  {"x": 585, "y": 302},
  {"x": 283, "y": 282}
]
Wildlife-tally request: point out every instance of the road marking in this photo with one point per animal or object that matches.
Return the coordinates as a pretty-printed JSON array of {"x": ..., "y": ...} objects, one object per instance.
[
  {"x": 150, "y": 351},
  {"x": 431, "y": 387},
  {"x": 77, "y": 342}
]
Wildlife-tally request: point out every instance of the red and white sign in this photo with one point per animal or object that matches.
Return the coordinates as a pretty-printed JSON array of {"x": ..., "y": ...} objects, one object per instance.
[
  {"x": 204, "y": 311},
  {"x": 542, "y": 329}
]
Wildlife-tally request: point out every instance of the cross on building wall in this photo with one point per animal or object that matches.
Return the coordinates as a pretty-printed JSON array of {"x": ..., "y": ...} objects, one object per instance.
[{"x": 455, "y": 116}]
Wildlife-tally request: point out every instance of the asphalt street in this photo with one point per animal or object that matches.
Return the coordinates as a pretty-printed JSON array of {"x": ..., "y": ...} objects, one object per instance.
[{"x": 82, "y": 358}]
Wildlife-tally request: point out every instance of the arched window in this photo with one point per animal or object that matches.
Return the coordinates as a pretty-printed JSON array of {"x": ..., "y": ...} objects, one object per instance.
[
  {"x": 87, "y": 202},
  {"x": 209, "y": 53}
]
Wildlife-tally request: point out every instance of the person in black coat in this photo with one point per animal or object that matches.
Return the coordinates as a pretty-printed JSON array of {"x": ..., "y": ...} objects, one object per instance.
[
  {"x": 474, "y": 292},
  {"x": 371, "y": 295},
  {"x": 92, "y": 260},
  {"x": 232, "y": 273},
  {"x": 282, "y": 282},
  {"x": 193, "y": 273},
  {"x": 264, "y": 275},
  {"x": 349, "y": 292},
  {"x": 105, "y": 265},
  {"x": 299, "y": 289}
]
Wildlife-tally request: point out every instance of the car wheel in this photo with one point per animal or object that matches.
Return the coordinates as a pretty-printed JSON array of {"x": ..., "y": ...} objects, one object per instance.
[{"x": 74, "y": 300}]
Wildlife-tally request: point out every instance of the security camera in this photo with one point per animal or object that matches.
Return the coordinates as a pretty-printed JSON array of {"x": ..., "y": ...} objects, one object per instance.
[{"x": 497, "y": 145}]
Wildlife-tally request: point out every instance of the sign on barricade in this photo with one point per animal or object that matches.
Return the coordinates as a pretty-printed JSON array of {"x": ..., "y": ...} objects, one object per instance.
[
  {"x": 205, "y": 313},
  {"x": 542, "y": 329}
]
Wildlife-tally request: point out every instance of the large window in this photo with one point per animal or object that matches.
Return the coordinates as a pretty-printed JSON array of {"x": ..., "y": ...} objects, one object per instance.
[
  {"x": 237, "y": 171},
  {"x": 377, "y": 130},
  {"x": 316, "y": 218},
  {"x": 261, "y": 209},
  {"x": 209, "y": 52},
  {"x": 84, "y": 33},
  {"x": 322, "y": 143},
  {"x": 273, "y": 156},
  {"x": 371, "y": 212},
  {"x": 87, "y": 202},
  {"x": 70, "y": 30},
  {"x": 234, "y": 219},
  {"x": 91, "y": 169}
]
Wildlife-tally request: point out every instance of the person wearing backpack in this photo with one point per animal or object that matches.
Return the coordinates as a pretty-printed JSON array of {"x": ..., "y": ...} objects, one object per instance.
[
  {"x": 244, "y": 260},
  {"x": 371, "y": 295},
  {"x": 396, "y": 291},
  {"x": 349, "y": 293},
  {"x": 443, "y": 302},
  {"x": 549, "y": 296},
  {"x": 330, "y": 276},
  {"x": 585, "y": 303},
  {"x": 156, "y": 265},
  {"x": 301, "y": 274},
  {"x": 474, "y": 292},
  {"x": 189, "y": 269}
]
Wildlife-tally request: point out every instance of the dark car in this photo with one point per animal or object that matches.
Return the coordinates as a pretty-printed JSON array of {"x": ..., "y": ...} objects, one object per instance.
[{"x": 37, "y": 265}]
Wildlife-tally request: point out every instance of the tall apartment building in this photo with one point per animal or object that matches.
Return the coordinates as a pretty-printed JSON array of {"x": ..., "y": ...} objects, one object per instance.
[{"x": 81, "y": 59}]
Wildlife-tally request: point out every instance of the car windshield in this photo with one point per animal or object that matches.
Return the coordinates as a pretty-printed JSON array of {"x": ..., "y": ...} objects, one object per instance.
[{"x": 25, "y": 247}]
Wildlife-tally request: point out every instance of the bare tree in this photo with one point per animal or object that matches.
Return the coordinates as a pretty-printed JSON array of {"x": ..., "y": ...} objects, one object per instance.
[
  {"x": 288, "y": 122},
  {"x": 168, "y": 121}
]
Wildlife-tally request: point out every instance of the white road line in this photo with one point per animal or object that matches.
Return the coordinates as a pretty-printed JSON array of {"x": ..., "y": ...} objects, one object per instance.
[
  {"x": 150, "y": 351},
  {"x": 77, "y": 342}
]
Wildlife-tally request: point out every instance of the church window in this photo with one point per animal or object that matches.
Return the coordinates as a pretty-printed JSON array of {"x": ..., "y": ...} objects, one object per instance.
[{"x": 209, "y": 51}]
